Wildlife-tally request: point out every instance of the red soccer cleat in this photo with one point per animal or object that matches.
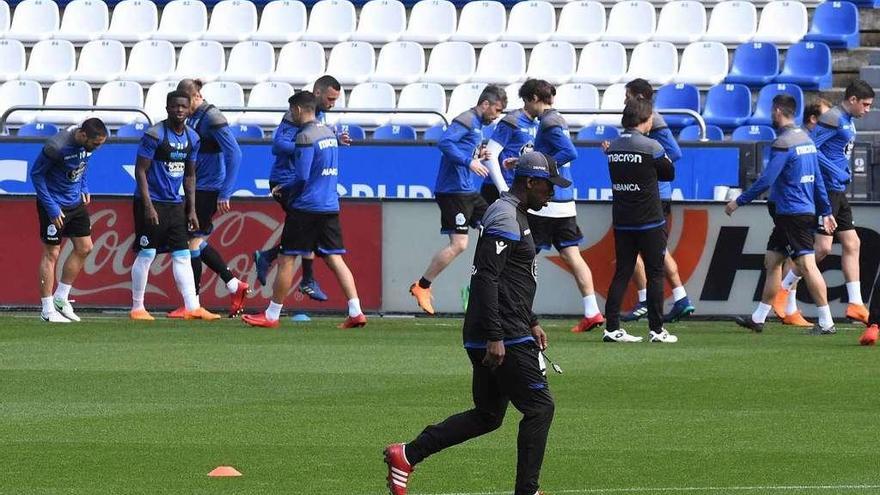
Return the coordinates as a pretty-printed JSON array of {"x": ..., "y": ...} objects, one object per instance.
[
  {"x": 354, "y": 322},
  {"x": 399, "y": 469},
  {"x": 260, "y": 320},
  {"x": 238, "y": 299},
  {"x": 178, "y": 313},
  {"x": 869, "y": 336},
  {"x": 588, "y": 323}
]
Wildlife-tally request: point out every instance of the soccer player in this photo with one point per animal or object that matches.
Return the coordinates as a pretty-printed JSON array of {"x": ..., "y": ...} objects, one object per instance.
[
  {"x": 166, "y": 159},
  {"x": 502, "y": 337},
  {"x": 216, "y": 170},
  {"x": 813, "y": 111},
  {"x": 660, "y": 132},
  {"x": 461, "y": 205},
  {"x": 834, "y": 137},
  {"x": 636, "y": 163},
  {"x": 794, "y": 178},
  {"x": 312, "y": 221},
  {"x": 59, "y": 178}
]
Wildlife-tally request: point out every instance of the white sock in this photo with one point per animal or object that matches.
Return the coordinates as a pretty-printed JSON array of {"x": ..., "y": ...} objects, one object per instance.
[
  {"x": 790, "y": 280},
  {"x": 643, "y": 295},
  {"x": 273, "y": 312},
  {"x": 760, "y": 314},
  {"x": 354, "y": 307},
  {"x": 48, "y": 305},
  {"x": 62, "y": 291},
  {"x": 183, "y": 277},
  {"x": 140, "y": 271},
  {"x": 825, "y": 320},
  {"x": 678, "y": 293},
  {"x": 791, "y": 302},
  {"x": 591, "y": 308},
  {"x": 854, "y": 292},
  {"x": 232, "y": 285}
]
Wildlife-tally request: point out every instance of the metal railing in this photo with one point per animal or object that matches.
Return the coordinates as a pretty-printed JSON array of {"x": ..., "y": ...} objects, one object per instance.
[
  {"x": 346, "y": 110},
  {"x": 67, "y": 108}
]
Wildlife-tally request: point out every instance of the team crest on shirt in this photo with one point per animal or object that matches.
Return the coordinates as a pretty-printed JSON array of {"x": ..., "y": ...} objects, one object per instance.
[
  {"x": 848, "y": 149},
  {"x": 145, "y": 241},
  {"x": 527, "y": 148},
  {"x": 535, "y": 269},
  {"x": 51, "y": 230},
  {"x": 76, "y": 174},
  {"x": 459, "y": 219}
]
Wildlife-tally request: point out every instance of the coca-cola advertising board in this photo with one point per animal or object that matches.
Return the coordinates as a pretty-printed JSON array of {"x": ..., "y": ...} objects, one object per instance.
[{"x": 253, "y": 223}]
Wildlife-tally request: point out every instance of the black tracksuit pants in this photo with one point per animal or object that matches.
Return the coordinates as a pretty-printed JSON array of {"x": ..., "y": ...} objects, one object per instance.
[
  {"x": 521, "y": 380},
  {"x": 874, "y": 305},
  {"x": 628, "y": 244}
]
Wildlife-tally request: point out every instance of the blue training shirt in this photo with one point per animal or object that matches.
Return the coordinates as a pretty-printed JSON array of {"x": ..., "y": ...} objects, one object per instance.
[
  {"x": 834, "y": 136},
  {"x": 219, "y": 155},
  {"x": 553, "y": 139},
  {"x": 516, "y": 134},
  {"x": 316, "y": 164},
  {"x": 169, "y": 153},
  {"x": 661, "y": 133},
  {"x": 59, "y": 173},
  {"x": 283, "y": 146},
  {"x": 459, "y": 145}
]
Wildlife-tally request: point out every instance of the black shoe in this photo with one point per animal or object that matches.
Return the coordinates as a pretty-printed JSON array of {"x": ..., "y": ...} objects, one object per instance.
[
  {"x": 818, "y": 330},
  {"x": 748, "y": 323}
]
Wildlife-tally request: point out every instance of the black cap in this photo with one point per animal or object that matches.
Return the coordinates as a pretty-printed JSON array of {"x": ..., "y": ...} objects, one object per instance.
[{"x": 537, "y": 164}]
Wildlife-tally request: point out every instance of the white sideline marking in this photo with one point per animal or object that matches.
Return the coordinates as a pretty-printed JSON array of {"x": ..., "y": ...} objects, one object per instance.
[{"x": 691, "y": 489}]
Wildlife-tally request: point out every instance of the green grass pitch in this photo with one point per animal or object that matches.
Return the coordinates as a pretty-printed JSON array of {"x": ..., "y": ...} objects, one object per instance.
[{"x": 112, "y": 407}]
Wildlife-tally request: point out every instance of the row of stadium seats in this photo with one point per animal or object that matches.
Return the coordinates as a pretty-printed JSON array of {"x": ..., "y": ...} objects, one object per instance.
[
  {"x": 432, "y": 21},
  {"x": 457, "y": 3}
]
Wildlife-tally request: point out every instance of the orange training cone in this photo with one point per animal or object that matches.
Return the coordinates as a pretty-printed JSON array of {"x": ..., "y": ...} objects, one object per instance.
[{"x": 224, "y": 471}]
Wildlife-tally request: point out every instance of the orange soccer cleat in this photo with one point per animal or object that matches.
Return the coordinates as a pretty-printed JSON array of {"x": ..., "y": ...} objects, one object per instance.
[
  {"x": 796, "y": 319},
  {"x": 588, "y": 323},
  {"x": 200, "y": 314},
  {"x": 857, "y": 312},
  {"x": 354, "y": 322},
  {"x": 780, "y": 302},
  {"x": 423, "y": 297},
  {"x": 178, "y": 313},
  {"x": 140, "y": 315},
  {"x": 260, "y": 320},
  {"x": 869, "y": 336}
]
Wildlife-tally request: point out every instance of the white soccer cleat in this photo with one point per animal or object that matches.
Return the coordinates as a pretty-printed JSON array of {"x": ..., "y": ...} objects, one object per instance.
[
  {"x": 65, "y": 308},
  {"x": 619, "y": 336},
  {"x": 662, "y": 337},
  {"x": 54, "y": 317}
]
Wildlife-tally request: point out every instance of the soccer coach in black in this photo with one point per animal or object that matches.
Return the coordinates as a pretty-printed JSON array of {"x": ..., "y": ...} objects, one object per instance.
[
  {"x": 502, "y": 336},
  {"x": 635, "y": 163}
]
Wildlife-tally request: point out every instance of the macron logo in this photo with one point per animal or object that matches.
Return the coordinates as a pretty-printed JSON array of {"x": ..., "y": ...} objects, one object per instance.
[
  {"x": 805, "y": 149},
  {"x": 808, "y": 179},
  {"x": 625, "y": 158},
  {"x": 500, "y": 246}
]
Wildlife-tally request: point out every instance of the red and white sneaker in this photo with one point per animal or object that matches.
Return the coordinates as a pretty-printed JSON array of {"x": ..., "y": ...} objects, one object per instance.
[
  {"x": 354, "y": 322},
  {"x": 238, "y": 299},
  {"x": 399, "y": 469},
  {"x": 260, "y": 320},
  {"x": 588, "y": 323}
]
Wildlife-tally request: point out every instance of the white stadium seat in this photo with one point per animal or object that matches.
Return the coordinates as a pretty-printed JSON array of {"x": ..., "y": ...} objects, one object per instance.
[
  {"x": 612, "y": 99},
  {"x": 12, "y": 59},
  {"x": 431, "y": 21},
  {"x": 513, "y": 100},
  {"x": 267, "y": 95},
  {"x": 120, "y": 94},
  {"x": 464, "y": 96},
  {"x": 13, "y": 93},
  {"x": 380, "y": 21},
  {"x": 451, "y": 63},
  {"x": 100, "y": 61},
  {"x": 133, "y": 20},
  {"x": 68, "y": 93},
  {"x": 224, "y": 95},
  {"x": 84, "y": 20},
  {"x": 250, "y": 62},
  {"x": 501, "y": 62},
  {"x": 783, "y": 22},
  {"x": 205, "y": 60},
  {"x": 282, "y": 21},
  {"x": 580, "y": 22},
  {"x": 601, "y": 63},
  {"x": 182, "y": 21},
  {"x": 656, "y": 61},
  {"x": 369, "y": 96},
  {"x": 481, "y": 22},
  {"x": 331, "y": 21},
  {"x": 5, "y": 18},
  {"x": 232, "y": 21},
  {"x": 154, "y": 103},
  {"x": 681, "y": 21},
  {"x": 34, "y": 20},
  {"x": 577, "y": 97},
  {"x": 420, "y": 96},
  {"x": 150, "y": 61},
  {"x": 704, "y": 63},
  {"x": 732, "y": 22},
  {"x": 553, "y": 61},
  {"x": 50, "y": 61},
  {"x": 630, "y": 22},
  {"x": 400, "y": 63},
  {"x": 530, "y": 22},
  {"x": 299, "y": 62},
  {"x": 352, "y": 62}
]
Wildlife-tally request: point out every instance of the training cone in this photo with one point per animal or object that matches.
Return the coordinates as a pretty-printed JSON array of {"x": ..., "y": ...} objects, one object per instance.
[
  {"x": 300, "y": 317},
  {"x": 223, "y": 472}
]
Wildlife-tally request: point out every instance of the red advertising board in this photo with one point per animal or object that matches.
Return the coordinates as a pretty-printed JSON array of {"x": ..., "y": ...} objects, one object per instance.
[{"x": 254, "y": 223}]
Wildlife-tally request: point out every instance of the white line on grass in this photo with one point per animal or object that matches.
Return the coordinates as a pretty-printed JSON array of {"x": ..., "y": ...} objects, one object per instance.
[{"x": 691, "y": 489}]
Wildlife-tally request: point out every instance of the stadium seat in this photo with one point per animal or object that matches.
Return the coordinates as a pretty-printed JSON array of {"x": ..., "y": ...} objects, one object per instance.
[
  {"x": 677, "y": 96},
  {"x": 15, "y": 93},
  {"x": 836, "y": 24},
  {"x": 703, "y": 63},
  {"x": 434, "y": 133},
  {"x": 807, "y": 64},
  {"x": 394, "y": 133},
  {"x": 100, "y": 61},
  {"x": 513, "y": 100},
  {"x": 355, "y": 132},
  {"x": 598, "y": 133},
  {"x": 692, "y": 133},
  {"x": 50, "y": 61},
  {"x": 553, "y": 61},
  {"x": 481, "y": 22},
  {"x": 732, "y": 22},
  {"x": 242, "y": 132},
  {"x": 601, "y": 63},
  {"x": 267, "y": 95},
  {"x": 728, "y": 105},
  {"x": 150, "y": 61},
  {"x": 464, "y": 96},
  {"x": 66, "y": 93},
  {"x": 119, "y": 94},
  {"x": 12, "y": 59},
  {"x": 84, "y": 20},
  {"x": 400, "y": 63},
  {"x": 630, "y": 22},
  {"x": 182, "y": 21},
  {"x": 331, "y": 21},
  {"x": 132, "y": 131},
  {"x": 612, "y": 100},
  {"x": 765, "y": 102},
  {"x": 282, "y": 21},
  {"x": 224, "y": 95},
  {"x": 232, "y": 21},
  {"x": 133, "y": 21},
  {"x": 352, "y": 62},
  {"x": 501, "y": 62},
  {"x": 451, "y": 63},
  {"x": 681, "y": 21},
  {"x": 37, "y": 129},
  {"x": 754, "y": 64},
  {"x": 250, "y": 62},
  {"x": 205, "y": 60},
  {"x": 431, "y": 21},
  {"x": 420, "y": 96},
  {"x": 154, "y": 103},
  {"x": 299, "y": 62},
  {"x": 34, "y": 20},
  {"x": 580, "y": 22},
  {"x": 576, "y": 97},
  {"x": 783, "y": 22},
  {"x": 530, "y": 22},
  {"x": 380, "y": 21},
  {"x": 371, "y": 96},
  {"x": 656, "y": 61},
  {"x": 5, "y": 18},
  {"x": 753, "y": 133}
]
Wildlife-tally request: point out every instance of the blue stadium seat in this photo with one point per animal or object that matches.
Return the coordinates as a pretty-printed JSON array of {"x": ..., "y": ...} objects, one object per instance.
[
  {"x": 836, "y": 24},
  {"x": 355, "y": 132},
  {"x": 677, "y": 96},
  {"x": 765, "y": 101},
  {"x": 434, "y": 133},
  {"x": 598, "y": 133},
  {"x": 246, "y": 132},
  {"x": 37, "y": 129},
  {"x": 807, "y": 64},
  {"x": 728, "y": 105},
  {"x": 754, "y": 64},
  {"x": 132, "y": 130},
  {"x": 753, "y": 133},
  {"x": 394, "y": 133},
  {"x": 692, "y": 133}
]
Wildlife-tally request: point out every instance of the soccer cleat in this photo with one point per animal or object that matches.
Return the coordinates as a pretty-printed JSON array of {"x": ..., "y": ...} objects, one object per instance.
[
  {"x": 747, "y": 322},
  {"x": 818, "y": 330},
  {"x": 796, "y": 319},
  {"x": 200, "y": 314},
  {"x": 262, "y": 264},
  {"x": 312, "y": 289},
  {"x": 588, "y": 323},
  {"x": 354, "y": 322},
  {"x": 423, "y": 297},
  {"x": 54, "y": 317},
  {"x": 238, "y": 299},
  {"x": 141, "y": 315},
  {"x": 260, "y": 320},
  {"x": 780, "y": 302},
  {"x": 399, "y": 469},
  {"x": 177, "y": 314},
  {"x": 619, "y": 336},
  {"x": 662, "y": 337},
  {"x": 637, "y": 312},
  {"x": 680, "y": 309},
  {"x": 869, "y": 336},
  {"x": 63, "y": 306},
  {"x": 857, "y": 312}
]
